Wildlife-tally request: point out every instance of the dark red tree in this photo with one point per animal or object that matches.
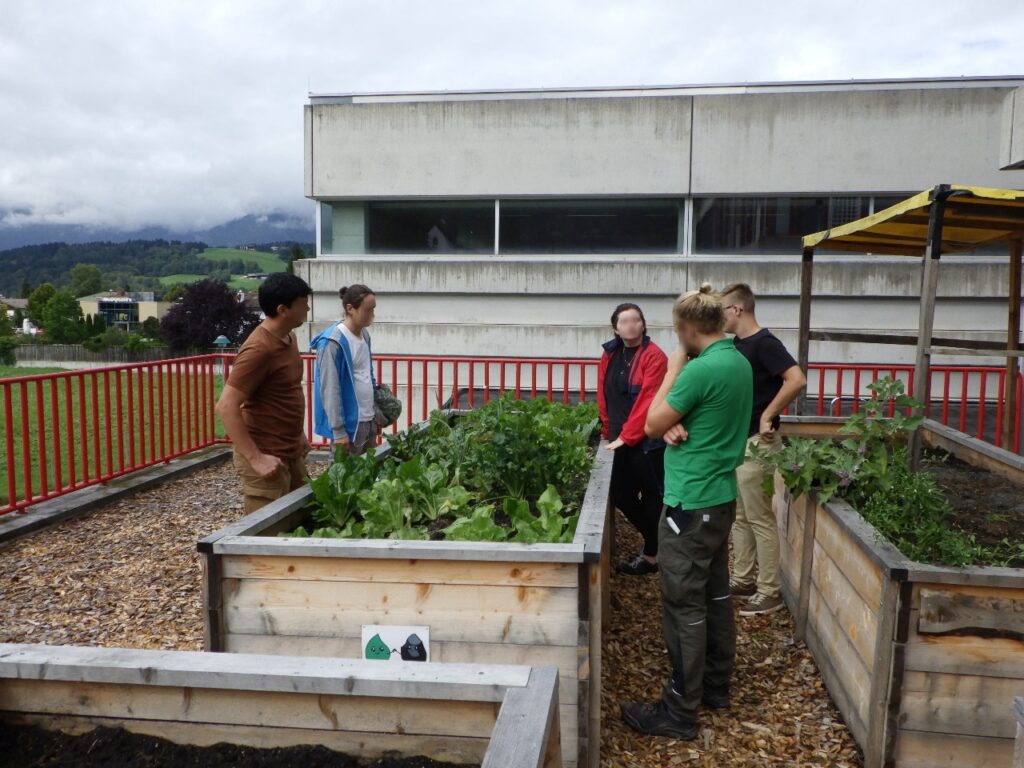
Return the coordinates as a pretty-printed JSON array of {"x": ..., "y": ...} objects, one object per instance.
[{"x": 207, "y": 309}]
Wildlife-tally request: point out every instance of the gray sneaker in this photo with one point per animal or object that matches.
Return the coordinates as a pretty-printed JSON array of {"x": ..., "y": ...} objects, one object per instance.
[{"x": 761, "y": 605}]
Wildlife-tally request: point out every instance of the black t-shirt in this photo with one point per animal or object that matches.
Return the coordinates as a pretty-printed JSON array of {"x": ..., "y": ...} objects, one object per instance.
[
  {"x": 769, "y": 359},
  {"x": 616, "y": 389}
]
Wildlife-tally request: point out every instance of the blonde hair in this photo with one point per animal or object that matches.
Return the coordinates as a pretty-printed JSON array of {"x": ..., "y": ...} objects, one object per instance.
[{"x": 701, "y": 308}]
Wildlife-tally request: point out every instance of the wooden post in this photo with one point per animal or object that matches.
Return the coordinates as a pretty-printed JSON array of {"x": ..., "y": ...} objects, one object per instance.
[
  {"x": 878, "y": 703},
  {"x": 926, "y": 321},
  {"x": 1010, "y": 404},
  {"x": 803, "y": 343},
  {"x": 803, "y": 595}
]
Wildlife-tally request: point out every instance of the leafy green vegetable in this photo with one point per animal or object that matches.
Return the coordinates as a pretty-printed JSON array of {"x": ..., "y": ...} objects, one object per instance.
[
  {"x": 535, "y": 455},
  {"x": 479, "y": 526}
]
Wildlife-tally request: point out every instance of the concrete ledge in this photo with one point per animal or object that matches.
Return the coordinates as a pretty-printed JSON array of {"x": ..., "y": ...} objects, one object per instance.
[{"x": 46, "y": 513}]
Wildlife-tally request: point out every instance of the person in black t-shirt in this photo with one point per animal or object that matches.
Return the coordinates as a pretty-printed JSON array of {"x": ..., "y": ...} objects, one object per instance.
[{"x": 777, "y": 381}]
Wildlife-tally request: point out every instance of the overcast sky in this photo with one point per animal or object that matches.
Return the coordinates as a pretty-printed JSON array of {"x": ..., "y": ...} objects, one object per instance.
[{"x": 189, "y": 113}]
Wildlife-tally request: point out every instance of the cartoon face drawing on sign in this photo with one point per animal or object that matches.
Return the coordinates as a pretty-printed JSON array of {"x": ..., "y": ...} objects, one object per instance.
[
  {"x": 376, "y": 649},
  {"x": 413, "y": 650}
]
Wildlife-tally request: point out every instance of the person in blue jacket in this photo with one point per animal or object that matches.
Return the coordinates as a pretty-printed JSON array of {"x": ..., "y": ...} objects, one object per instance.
[{"x": 343, "y": 381}]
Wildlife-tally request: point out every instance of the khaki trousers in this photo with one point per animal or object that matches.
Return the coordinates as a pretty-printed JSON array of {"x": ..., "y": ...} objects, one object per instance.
[
  {"x": 260, "y": 491},
  {"x": 755, "y": 535}
]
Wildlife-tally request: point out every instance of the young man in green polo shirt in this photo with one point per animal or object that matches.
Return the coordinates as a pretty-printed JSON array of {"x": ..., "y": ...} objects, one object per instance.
[{"x": 703, "y": 411}]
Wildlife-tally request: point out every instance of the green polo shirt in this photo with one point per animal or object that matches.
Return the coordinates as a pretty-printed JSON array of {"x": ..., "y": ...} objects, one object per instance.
[{"x": 715, "y": 394}]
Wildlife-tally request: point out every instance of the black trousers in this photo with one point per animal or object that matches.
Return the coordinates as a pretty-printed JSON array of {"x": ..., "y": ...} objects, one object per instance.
[
  {"x": 697, "y": 617},
  {"x": 638, "y": 481}
]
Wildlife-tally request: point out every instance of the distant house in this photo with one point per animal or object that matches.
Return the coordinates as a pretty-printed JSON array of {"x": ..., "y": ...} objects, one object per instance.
[
  {"x": 256, "y": 275},
  {"x": 10, "y": 306},
  {"x": 123, "y": 310}
]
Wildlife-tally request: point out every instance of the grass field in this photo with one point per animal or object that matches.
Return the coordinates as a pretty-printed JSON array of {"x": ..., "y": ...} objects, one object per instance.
[
  {"x": 8, "y": 371},
  {"x": 158, "y": 413},
  {"x": 269, "y": 262}
]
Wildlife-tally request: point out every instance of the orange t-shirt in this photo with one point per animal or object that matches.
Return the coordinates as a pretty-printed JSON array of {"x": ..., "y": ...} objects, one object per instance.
[{"x": 268, "y": 371}]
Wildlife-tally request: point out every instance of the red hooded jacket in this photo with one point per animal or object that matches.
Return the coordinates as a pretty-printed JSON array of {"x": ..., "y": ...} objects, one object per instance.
[{"x": 645, "y": 377}]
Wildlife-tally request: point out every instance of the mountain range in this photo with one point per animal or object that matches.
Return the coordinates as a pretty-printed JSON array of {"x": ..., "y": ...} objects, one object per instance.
[{"x": 252, "y": 228}]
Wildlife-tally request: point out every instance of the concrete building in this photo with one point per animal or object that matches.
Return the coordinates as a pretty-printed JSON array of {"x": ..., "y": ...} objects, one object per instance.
[
  {"x": 123, "y": 310},
  {"x": 511, "y": 223}
]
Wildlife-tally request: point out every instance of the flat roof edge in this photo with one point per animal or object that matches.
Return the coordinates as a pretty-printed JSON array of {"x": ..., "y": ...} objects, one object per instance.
[{"x": 706, "y": 89}]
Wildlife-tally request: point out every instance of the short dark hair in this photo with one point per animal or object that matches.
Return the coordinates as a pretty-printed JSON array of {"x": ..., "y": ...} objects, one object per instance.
[
  {"x": 354, "y": 295},
  {"x": 622, "y": 308},
  {"x": 744, "y": 296},
  {"x": 281, "y": 288}
]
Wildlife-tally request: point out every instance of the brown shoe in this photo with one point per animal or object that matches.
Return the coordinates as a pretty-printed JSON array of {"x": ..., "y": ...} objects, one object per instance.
[
  {"x": 742, "y": 590},
  {"x": 761, "y": 605}
]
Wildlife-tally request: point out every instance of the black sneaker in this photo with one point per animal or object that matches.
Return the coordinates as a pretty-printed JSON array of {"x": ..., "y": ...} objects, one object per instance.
[
  {"x": 638, "y": 565},
  {"x": 655, "y": 719}
]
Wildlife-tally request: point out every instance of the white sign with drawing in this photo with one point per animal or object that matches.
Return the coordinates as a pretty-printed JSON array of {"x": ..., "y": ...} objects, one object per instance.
[{"x": 396, "y": 643}]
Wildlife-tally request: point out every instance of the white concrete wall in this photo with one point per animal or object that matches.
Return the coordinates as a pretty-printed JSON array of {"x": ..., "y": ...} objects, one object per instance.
[
  {"x": 876, "y": 141},
  {"x": 762, "y": 142},
  {"x": 490, "y": 148},
  {"x": 560, "y": 307}
]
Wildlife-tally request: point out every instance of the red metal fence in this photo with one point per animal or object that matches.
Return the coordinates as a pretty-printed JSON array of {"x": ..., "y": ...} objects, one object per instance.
[{"x": 68, "y": 430}]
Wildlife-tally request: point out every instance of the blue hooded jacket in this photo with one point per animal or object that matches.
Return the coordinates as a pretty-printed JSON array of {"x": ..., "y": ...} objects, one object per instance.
[{"x": 346, "y": 379}]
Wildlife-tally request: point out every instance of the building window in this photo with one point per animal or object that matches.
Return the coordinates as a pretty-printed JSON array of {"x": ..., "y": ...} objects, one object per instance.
[
  {"x": 589, "y": 226},
  {"x": 767, "y": 225},
  {"x": 119, "y": 313},
  {"x": 430, "y": 227}
]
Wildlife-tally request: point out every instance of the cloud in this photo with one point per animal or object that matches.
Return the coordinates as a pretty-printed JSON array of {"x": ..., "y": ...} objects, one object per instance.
[{"x": 189, "y": 113}]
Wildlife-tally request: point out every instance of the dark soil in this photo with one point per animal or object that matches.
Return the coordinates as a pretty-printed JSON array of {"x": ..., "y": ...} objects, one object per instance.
[
  {"x": 988, "y": 506},
  {"x": 28, "y": 746}
]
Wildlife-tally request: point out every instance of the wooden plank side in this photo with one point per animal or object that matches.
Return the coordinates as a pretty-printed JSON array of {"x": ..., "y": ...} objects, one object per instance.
[
  {"x": 565, "y": 658},
  {"x": 849, "y": 671},
  {"x": 357, "y": 744},
  {"x": 856, "y": 618},
  {"x": 946, "y": 611},
  {"x": 192, "y": 669},
  {"x": 985, "y": 657},
  {"x": 521, "y": 735},
  {"x": 863, "y": 573},
  {"x": 324, "y": 596},
  {"x": 920, "y": 749},
  {"x": 400, "y": 571},
  {"x": 469, "y": 626},
  {"x": 252, "y": 708},
  {"x": 837, "y": 691},
  {"x": 960, "y": 704}
]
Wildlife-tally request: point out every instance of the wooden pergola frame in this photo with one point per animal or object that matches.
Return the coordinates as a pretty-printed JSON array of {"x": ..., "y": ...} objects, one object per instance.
[{"x": 948, "y": 218}]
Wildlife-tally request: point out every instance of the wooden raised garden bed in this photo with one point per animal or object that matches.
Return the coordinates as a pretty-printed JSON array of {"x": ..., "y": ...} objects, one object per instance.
[
  {"x": 502, "y": 603},
  {"x": 497, "y": 716},
  {"x": 922, "y": 661}
]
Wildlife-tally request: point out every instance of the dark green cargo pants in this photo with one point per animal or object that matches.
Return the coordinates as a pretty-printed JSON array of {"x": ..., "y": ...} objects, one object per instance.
[{"x": 697, "y": 614}]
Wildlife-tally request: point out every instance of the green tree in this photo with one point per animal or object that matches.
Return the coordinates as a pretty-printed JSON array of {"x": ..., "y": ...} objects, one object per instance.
[
  {"x": 150, "y": 328},
  {"x": 175, "y": 292},
  {"x": 26, "y": 290},
  {"x": 6, "y": 329},
  {"x": 294, "y": 253},
  {"x": 37, "y": 302},
  {"x": 84, "y": 280},
  {"x": 62, "y": 319}
]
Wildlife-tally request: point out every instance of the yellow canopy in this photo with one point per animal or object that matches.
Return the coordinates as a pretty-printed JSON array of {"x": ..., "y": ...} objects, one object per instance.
[{"x": 974, "y": 216}]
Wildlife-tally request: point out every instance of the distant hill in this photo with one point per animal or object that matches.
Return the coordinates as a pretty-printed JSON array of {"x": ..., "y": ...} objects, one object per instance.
[
  {"x": 139, "y": 265},
  {"x": 254, "y": 228}
]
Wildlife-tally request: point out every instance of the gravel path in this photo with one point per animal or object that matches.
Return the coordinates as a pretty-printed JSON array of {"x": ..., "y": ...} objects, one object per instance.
[
  {"x": 781, "y": 713},
  {"x": 128, "y": 575}
]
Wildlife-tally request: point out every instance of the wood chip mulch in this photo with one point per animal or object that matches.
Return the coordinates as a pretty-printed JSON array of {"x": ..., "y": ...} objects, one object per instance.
[
  {"x": 128, "y": 575},
  {"x": 781, "y": 714}
]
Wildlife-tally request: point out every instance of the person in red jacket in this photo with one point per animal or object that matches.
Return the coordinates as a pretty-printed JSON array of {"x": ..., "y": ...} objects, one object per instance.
[{"x": 631, "y": 370}]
